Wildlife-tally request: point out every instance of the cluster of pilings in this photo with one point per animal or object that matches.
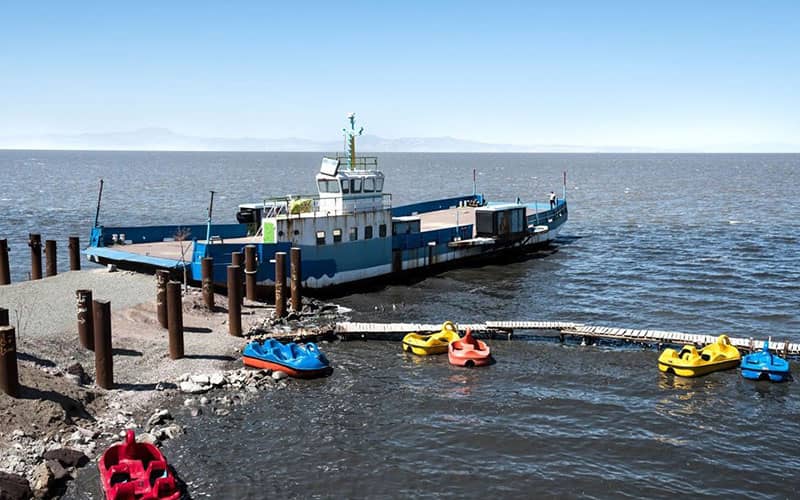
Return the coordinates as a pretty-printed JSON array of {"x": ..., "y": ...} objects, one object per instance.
[
  {"x": 94, "y": 316},
  {"x": 51, "y": 257},
  {"x": 241, "y": 283}
]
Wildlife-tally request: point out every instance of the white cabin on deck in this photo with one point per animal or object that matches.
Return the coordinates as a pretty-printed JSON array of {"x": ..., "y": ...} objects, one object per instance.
[{"x": 350, "y": 206}]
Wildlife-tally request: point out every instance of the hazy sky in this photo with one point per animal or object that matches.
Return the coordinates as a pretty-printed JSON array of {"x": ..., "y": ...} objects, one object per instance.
[{"x": 666, "y": 74}]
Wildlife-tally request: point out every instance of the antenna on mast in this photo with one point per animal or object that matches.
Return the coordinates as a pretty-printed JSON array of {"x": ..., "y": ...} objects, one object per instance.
[{"x": 350, "y": 137}]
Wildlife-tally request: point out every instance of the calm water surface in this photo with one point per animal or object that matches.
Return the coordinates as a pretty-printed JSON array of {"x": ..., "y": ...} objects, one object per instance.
[{"x": 696, "y": 243}]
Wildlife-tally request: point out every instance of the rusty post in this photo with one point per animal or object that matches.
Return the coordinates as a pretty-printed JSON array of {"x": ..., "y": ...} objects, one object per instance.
[
  {"x": 236, "y": 260},
  {"x": 74, "y": 253},
  {"x": 250, "y": 271},
  {"x": 35, "y": 242},
  {"x": 235, "y": 301},
  {"x": 4, "y": 317},
  {"x": 207, "y": 267},
  {"x": 295, "y": 278},
  {"x": 175, "y": 315},
  {"x": 280, "y": 284},
  {"x": 5, "y": 271},
  {"x": 85, "y": 319},
  {"x": 51, "y": 258},
  {"x": 103, "y": 353},
  {"x": 162, "y": 277},
  {"x": 785, "y": 348},
  {"x": 9, "y": 376}
]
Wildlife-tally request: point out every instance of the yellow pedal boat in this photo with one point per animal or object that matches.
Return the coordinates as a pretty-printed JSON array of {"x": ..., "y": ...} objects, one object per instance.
[
  {"x": 690, "y": 362},
  {"x": 435, "y": 343}
]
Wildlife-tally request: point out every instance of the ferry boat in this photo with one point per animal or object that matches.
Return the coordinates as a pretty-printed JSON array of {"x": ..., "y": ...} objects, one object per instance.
[{"x": 348, "y": 233}]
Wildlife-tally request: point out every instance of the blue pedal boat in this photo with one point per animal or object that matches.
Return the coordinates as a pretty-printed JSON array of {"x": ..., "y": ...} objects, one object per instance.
[
  {"x": 299, "y": 361},
  {"x": 764, "y": 365}
]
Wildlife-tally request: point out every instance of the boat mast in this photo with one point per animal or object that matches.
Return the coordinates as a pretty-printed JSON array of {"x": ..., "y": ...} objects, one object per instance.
[{"x": 350, "y": 136}]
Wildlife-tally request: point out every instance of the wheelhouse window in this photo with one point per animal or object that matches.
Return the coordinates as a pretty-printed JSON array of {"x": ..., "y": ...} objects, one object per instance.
[
  {"x": 369, "y": 184},
  {"x": 382, "y": 231},
  {"x": 353, "y": 233},
  {"x": 345, "y": 186},
  {"x": 320, "y": 237},
  {"x": 355, "y": 185},
  {"x": 379, "y": 184},
  {"x": 328, "y": 185},
  {"x": 368, "y": 232},
  {"x": 337, "y": 235}
]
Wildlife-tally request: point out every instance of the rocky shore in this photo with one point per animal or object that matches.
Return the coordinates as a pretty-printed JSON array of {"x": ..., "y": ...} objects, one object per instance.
[{"x": 62, "y": 421}]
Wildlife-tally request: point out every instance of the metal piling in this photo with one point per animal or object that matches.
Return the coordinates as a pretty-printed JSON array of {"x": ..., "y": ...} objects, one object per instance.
[
  {"x": 162, "y": 277},
  {"x": 5, "y": 271},
  {"x": 85, "y": 319},
  {"x": 250, "y": 271},
  {"x": 237, "y": 260},
  {"x": 296, "y": 274},
  {"x": 103, "y": 352},
  {"x": 235, "y": 301},
  {"x": 35, "y": 242},
  {"x": 74, "y": 253},
  {"x": 51, "y": 258},
  {"x": 175, "y": 319},
  {"x": 9, "y": 375},
  {"x": 280, "y": 284}
]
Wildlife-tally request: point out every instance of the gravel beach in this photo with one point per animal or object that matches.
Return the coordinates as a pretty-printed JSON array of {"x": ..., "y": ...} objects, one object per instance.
[{"x": 60, "y": 407}]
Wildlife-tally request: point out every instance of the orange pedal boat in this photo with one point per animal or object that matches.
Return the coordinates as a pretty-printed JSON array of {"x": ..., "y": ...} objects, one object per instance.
[{"x": 469, "y": 351}]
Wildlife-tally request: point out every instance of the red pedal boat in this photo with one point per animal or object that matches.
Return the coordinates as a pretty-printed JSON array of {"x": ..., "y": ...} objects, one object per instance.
[
  {"x": 469, "y": 351},
  {"x": 136, "y": 471}
]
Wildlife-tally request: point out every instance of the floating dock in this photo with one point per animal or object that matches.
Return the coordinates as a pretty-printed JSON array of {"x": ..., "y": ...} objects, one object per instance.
[{"x": 506, "y": 329}]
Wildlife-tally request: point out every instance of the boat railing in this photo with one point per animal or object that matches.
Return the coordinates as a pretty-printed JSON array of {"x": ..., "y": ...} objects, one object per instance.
[
  {"x": 361, "y": 162},
  {"x": 353, "y": 205},
  {"x": 309, "y": 205}
]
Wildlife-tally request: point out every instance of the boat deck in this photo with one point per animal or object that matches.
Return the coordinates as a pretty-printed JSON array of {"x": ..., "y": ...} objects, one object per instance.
[
  {"x": 166, "y": 254},
  {"x": 449, "y": 217},
  {"x": 463, "y": 216}
]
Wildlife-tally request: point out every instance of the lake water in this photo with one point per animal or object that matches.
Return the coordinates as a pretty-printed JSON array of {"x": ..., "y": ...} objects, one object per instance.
[{"x": 694, "y": 243}]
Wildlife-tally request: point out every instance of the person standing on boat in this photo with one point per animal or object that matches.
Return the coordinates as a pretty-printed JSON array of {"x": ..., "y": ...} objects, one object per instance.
[{"x": 552, "y": 200}]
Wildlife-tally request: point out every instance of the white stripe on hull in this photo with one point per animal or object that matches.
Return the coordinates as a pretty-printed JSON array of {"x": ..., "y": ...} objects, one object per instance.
[{"x": 343, "y": 277}]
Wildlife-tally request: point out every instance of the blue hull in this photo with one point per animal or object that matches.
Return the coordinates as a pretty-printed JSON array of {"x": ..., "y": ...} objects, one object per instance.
[
  {"x": 764, "y": 365},
  {"x": 296, "y": 360},
  {"x": 765, "y": 375},
  {"x": 382, "y": 258}
]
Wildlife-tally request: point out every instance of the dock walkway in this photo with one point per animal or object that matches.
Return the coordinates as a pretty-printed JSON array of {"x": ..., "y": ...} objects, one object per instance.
[{"x": 382, "y": 330}]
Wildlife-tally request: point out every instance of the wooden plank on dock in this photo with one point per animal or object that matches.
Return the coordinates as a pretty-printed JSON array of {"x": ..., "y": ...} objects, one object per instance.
[{"x": 571, "y": 328}]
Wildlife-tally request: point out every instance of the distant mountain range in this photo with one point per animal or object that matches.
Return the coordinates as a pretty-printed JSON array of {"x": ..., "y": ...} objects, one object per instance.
[{"x": 161, "y": 139}]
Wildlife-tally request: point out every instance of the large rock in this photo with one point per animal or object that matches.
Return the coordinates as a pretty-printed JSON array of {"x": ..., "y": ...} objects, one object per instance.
[
  {"x": 159, "y": 417},
  {"x": 41, "y": 478},
  {"x": 168, "y": 432},
  {"x": 78, "y": 374},
  {"x": 191, "y": 387},
  {"x": 146, "y": 437},
  {"x": 58, "y": 471},
  {"x": 217, "y": 379},
  {"x": 67, "y": 457},
  {"x": 14, "y": 487}
]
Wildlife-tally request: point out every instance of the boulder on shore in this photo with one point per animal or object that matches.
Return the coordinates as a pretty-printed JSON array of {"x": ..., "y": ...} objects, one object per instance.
[{"x": 14, "y": 487}]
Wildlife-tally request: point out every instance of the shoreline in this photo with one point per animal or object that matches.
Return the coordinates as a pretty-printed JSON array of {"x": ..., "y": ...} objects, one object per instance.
[{"x": 60, "y": 407}]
